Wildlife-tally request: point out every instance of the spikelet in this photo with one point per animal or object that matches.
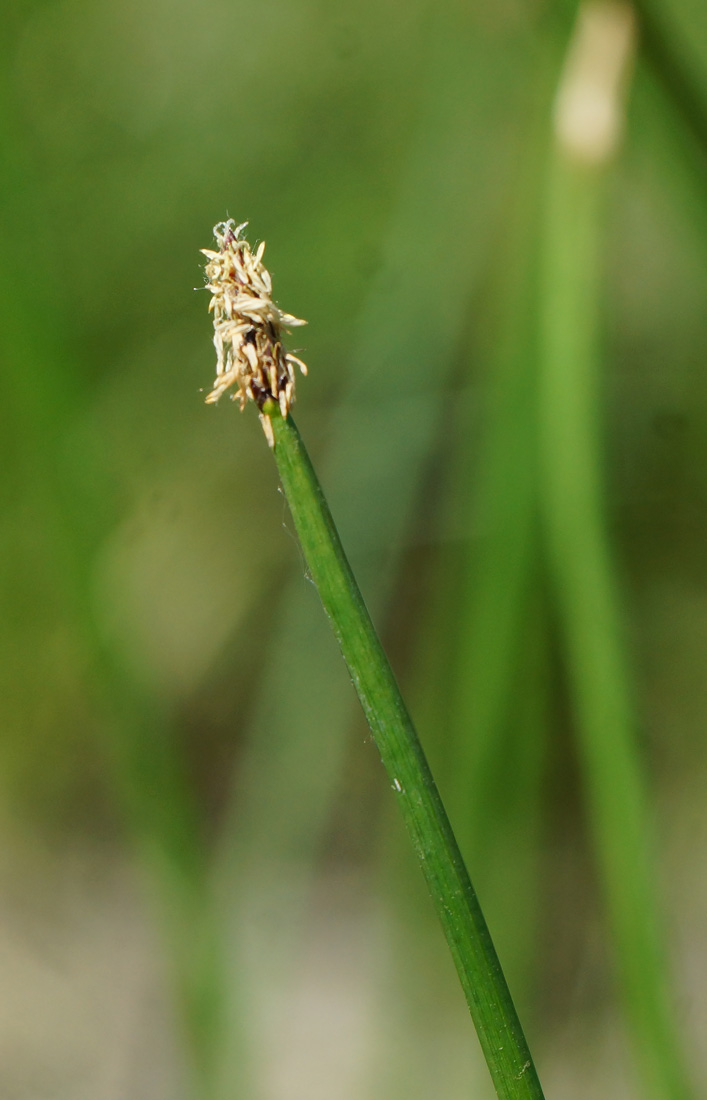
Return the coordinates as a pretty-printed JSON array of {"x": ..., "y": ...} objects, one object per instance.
[{"x": 248, "y": 326}]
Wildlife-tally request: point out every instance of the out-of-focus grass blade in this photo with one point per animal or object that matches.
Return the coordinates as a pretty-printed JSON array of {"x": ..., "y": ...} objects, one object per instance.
[
  {"x": 150, "y": 786},
  {"x": 45, "y": 395},
  {"x": 580, "y": 557},
  {"x": 671, "y": 70},
  {"x": 496, "y": 496},
  {"x": 669, "y": 120}
]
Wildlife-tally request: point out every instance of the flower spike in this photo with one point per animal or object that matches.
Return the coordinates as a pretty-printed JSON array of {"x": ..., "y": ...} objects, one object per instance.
[{"x": 248, "y": 326}]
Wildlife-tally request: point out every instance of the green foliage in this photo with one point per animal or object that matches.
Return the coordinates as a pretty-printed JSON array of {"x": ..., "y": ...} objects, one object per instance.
[{"x": 169, "y": 685}]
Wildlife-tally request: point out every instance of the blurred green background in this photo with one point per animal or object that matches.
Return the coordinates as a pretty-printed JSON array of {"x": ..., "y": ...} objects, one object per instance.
[{"x": 204, "y": 890}]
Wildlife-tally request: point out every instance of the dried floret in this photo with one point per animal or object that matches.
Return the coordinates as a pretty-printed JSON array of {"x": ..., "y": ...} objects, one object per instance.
[{"x": 248, "y": 326}]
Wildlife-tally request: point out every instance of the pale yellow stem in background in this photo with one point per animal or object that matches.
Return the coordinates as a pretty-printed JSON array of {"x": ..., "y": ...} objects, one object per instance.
[{"x": 589, "y": 108}]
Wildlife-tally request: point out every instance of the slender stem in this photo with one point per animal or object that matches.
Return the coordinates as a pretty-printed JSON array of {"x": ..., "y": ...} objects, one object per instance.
[
  {"x": 672, "y": 70},
  {"x": 580, "y": 559},
  {"x": 487, "y": 994},
  {"x": 585, "y": 582}
]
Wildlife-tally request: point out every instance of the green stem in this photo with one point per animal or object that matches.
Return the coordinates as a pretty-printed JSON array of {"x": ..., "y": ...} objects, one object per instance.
[
  {"x": 487, "y": 994},
  {"x": 672, "y": 70},
  {"x": 584, "y": 578}
]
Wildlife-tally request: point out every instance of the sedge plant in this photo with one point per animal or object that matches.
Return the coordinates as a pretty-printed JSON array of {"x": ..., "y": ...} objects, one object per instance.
[{"x": 252, "y": 362}]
